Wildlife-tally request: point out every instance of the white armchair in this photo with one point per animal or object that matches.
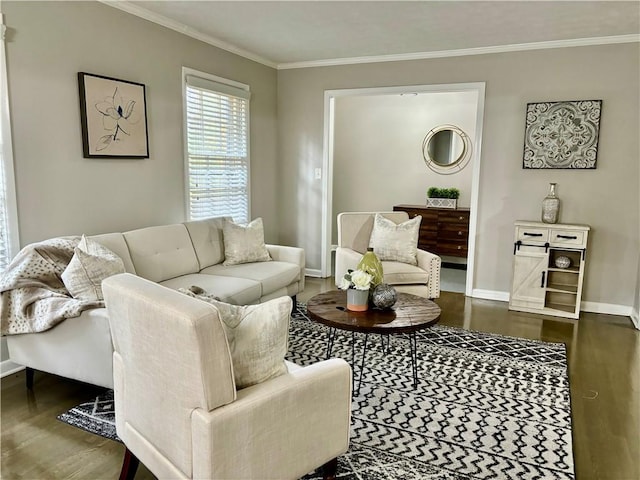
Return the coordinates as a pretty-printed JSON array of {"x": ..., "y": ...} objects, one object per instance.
[
  {"x": 177, "y": 407},
  {"x": 354, "y": 232}
]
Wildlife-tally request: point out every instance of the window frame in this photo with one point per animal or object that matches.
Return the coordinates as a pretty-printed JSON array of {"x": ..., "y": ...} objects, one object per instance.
[
  {"x": 225, "y": 85},
  {"x": 8, "y": 185}
]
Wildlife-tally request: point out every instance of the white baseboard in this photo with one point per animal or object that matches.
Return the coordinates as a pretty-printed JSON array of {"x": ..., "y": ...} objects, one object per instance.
[
  {"x": 7, "y": 367},
  {"x": 608, "y": 308},
  {"x": 635, "y": 318},
  {"x": 490, "y": 295},
  {"x": 593, "y": 307},
  {"x": 313, "y": 272}
]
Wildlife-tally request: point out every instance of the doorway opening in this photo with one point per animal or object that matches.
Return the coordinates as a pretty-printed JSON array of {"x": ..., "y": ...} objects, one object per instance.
[{"x": 409, "y": 109}]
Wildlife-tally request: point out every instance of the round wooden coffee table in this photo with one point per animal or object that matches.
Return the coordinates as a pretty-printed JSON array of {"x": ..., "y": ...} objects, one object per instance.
[{"x": 409, "y": 315}]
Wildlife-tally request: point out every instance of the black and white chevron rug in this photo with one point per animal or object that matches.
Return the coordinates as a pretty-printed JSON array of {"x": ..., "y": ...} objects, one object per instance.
[{"x": 486, "y": 406}]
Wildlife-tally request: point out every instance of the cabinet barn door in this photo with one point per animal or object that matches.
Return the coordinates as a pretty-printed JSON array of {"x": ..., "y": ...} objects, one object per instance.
[{"x": 528, "y": 287}]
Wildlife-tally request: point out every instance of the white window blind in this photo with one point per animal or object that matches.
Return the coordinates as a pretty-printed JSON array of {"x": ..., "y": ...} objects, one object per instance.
[
  {"x": 8, "y": 214},
  {"x": 217, "y": 132}
]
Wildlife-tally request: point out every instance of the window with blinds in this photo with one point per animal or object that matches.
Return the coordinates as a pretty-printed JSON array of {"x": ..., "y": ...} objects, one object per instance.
[
  {"x": 8, "y": 212},
  {"x": 217, "y": 150}
]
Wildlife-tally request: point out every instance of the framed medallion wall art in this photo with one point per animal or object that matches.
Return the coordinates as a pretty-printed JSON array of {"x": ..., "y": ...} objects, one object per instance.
[
  {"x": 113, "y": 116},
  {"x": 562, "y": 134}
]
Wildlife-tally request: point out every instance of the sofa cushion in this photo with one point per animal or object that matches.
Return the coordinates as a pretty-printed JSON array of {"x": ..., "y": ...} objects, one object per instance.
[
  {"x": 398, "y": 273},
  {"x": 208, "y": 241},
  {"x": 117, "y": 244},
  {"x": 257, "y": 335},
  {"x": 396, "y": 242},
  {"x": 162, "y": 252},
  {"x": 271, "y": 275},
  {"x": 90, "y": 265},
  {"x": 239, "y": 291},
  {"x": 244, "y": 243}
]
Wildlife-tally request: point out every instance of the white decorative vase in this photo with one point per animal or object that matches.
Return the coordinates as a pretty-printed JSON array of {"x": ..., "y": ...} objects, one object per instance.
[{"x": 357, "y": 300}]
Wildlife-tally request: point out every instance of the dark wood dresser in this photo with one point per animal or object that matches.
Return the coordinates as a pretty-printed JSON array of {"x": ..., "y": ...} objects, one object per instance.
[{"x": 443, "y": 231}]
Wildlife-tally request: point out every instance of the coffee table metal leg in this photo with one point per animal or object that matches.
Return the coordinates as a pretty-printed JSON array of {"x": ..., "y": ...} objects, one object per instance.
[
  {"x": 413, "y": 347},
  {"x": 364, "y": 354},
  {"x": 331, "y": 336}
]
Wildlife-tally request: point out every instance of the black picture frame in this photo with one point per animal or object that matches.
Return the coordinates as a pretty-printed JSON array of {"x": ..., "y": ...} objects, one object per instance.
[
  {"x": 562, "y": 135},
  {"x": 113, "y": 117}
]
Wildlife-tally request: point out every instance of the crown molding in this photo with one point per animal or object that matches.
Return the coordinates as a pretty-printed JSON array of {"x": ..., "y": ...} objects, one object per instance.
[
  {"x": 578, "y": 42},
  {"x": 179, "y": 27}
]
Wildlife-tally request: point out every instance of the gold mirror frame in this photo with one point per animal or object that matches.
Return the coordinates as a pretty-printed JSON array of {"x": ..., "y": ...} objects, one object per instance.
[{"x": 454, "y": 165}]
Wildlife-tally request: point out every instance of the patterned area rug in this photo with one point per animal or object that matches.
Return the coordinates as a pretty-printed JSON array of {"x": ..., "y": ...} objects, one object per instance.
[{"x": 486, "y": 406}]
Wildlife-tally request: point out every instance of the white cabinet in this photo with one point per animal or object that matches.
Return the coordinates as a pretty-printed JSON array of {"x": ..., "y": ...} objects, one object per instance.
[{"x": 548, "y": 268}]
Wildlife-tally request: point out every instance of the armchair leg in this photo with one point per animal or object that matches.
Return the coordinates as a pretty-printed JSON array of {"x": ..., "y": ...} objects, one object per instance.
[
  {"x": 330, "y": 469},
  {"x": 129, "y": 465},
  {"x": 295, "y": 303},
  {"x": 29, "y": 377}
]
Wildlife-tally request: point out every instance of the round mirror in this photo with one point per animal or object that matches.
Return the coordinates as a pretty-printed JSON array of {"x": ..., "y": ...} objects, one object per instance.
[{"x": 446, "y": 149}]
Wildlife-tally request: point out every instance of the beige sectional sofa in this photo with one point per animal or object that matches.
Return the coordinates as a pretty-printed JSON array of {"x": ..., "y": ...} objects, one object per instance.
[{"x": 176, "y": 256}]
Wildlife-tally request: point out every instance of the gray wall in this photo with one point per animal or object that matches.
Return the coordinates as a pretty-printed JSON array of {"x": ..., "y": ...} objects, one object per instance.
[
  {"x": 62, "y": 193},
  {"x": 378, "y": 147},
  {"x": 507, "y": 192}
]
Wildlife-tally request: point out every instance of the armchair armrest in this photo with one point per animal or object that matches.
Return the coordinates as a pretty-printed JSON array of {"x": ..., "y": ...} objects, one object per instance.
[
  {"x": 346, "y": 259},
  {"x": 431, "y": 263},
  {"x": 265, "y": 432},
  {"x": 283, "y": 253}
]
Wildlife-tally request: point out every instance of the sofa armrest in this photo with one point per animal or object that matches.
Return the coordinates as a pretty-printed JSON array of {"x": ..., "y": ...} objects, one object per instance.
[
  {"x": 346, "y": 259},
  {"x": 283, "y": 253},
  {"x": 292, "y": 423},
  {"x": 431, "y": 263}
]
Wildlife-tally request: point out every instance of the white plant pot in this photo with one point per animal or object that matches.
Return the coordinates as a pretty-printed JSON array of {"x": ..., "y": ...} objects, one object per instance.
[{"x": 442, "y": 202}]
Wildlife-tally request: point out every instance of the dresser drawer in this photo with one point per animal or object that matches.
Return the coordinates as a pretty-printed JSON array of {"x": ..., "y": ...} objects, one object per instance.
[
  {"x": 532, "y": 234},
  {"x": 567, "y": 237},
  {"x": 454, "y": 217},
  {"x": 453, "y": 231},
  {"x": 452, "y": 248}
]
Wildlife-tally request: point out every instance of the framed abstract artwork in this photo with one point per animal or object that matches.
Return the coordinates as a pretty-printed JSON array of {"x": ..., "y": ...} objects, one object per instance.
[
  {"x": 562, "y": 134},
  {"x": 113, "y": 116}
]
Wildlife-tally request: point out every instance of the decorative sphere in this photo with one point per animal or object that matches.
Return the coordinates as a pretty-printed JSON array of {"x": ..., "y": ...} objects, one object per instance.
[
  {"x": 384, "y": 296},
  {"x": 563, "y": 262}
]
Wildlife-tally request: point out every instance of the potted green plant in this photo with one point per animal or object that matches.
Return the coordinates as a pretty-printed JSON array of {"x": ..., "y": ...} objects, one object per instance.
[{"x": 442, "y": 197}]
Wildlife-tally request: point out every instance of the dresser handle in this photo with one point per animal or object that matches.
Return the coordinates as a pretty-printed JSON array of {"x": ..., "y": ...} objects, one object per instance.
[
  {"x": 567, "y": 237},
  {"x": 542, "y": 282},
  {"x": 527, "y": 234},
  {"x": 459, "y": 247}
]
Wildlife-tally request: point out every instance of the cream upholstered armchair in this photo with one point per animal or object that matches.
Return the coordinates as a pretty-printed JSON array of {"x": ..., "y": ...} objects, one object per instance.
[
  {"x": 177, "y": 408},
  {"x": 354, "y": 234}
]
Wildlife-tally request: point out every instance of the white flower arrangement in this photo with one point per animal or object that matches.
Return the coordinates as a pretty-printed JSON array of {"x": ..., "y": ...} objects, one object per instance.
[{"x": 358, "y": 279}]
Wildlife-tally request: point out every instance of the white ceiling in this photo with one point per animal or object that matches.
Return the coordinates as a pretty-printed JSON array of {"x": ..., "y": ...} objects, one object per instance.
[{"x": 288, "y": 34}]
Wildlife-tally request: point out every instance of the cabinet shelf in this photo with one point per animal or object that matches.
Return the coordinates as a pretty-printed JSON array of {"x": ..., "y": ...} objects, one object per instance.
[
  {"x": 538, "y": 286},
  {"x": 561, "y": 307},
  {"x": 575, "y": 270},
  {"x": 560, "y": 288}
]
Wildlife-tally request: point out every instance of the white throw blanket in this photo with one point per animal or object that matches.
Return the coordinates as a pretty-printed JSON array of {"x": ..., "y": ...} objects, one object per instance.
[{"x": 33, "y": 297}]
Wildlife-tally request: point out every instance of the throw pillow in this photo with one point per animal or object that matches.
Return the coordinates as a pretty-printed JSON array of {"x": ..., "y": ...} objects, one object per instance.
[
  {"x": 397, "y": 243},
  {"x": 91, "y": 263},
  {"x": 258, "y": 337},
  {"x": 244, "y": 243}
]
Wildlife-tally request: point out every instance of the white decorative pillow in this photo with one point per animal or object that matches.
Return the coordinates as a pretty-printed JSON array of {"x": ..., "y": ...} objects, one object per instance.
[
  {"x": 91, "y": 263},
  {"x": 397, "y": 243},
  {"x": 244, "y": 243},
  {"x": 258, "y": 337}
]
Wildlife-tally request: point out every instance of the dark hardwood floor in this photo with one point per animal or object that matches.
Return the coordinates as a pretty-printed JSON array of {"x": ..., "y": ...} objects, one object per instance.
[{"x": 604, "y": 369}]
